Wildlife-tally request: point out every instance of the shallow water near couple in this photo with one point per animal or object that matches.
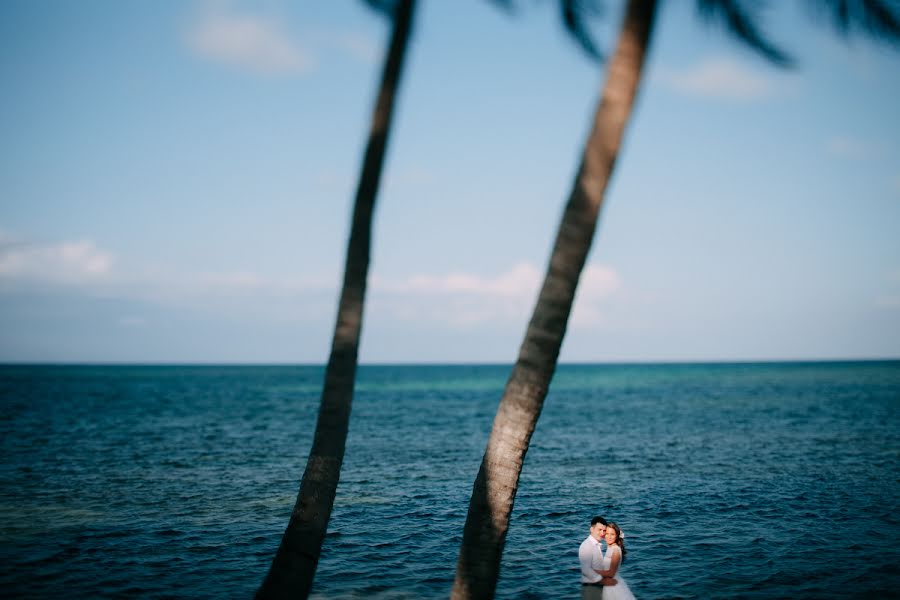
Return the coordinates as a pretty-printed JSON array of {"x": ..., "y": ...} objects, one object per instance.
[{"x": 729, "y": 480}]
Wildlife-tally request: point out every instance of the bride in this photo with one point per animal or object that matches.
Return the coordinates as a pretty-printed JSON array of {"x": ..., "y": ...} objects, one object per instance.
[{"x": 612, "y": 560}]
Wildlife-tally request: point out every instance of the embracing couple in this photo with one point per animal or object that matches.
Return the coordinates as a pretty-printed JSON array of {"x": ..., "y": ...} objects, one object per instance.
[{"x": 599, "y": 569}]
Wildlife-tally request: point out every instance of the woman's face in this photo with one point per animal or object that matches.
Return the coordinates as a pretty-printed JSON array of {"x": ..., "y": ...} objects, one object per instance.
[{"x": 610, "y": 535}]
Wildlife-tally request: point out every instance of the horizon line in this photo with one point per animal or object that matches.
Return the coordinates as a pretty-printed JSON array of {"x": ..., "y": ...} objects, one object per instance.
[{"x": 647, "y": 362}]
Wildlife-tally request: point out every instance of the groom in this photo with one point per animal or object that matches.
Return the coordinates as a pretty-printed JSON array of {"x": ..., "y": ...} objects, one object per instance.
[{"x": 590, "y": 555}]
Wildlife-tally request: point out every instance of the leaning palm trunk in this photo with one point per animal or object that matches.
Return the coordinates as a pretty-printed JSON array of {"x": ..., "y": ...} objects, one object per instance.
[
  {"x": 495, "y": 487},
  {"x": 292, "y": 571}
]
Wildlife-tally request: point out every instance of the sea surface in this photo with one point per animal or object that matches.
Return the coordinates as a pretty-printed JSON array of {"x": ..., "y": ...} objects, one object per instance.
[{"x": 729, "y": 480}]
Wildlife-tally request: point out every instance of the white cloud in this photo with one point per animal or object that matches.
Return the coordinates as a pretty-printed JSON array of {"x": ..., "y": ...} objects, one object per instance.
[
  {"x": 597, "y": 283},
  {"x": 412, "y": 176},
  {"x": 464, "y": 299},
  {"x": 358, "y": 46},
  {"x": 83, "y": 265},
  {"x": 719, "y": 78},
  {"x": 251, "y": 43},
  {"x": 845, "y": 147},
  {"x": 441, "y": 301},
  {"x": 353, "y": 44},
  {"x": 63, "y": 262},
  {"x": 521, "y": 279},
  {"x": 237, "y": 280},
  {"x": 261, "y": 44}
]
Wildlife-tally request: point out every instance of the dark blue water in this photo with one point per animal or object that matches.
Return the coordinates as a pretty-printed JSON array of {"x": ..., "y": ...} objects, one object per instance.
[{"x": 756, "y": 481}]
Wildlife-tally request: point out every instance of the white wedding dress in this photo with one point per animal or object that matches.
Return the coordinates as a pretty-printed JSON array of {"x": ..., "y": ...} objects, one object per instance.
[{"x": 619, "y": 591}]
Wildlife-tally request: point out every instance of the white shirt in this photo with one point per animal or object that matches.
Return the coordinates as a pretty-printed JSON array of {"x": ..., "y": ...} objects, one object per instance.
[{"x": 590, "y": 555}]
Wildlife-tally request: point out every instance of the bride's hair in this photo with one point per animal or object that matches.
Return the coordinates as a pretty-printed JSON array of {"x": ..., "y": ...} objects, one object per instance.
[{"x": 619, "y": 541}]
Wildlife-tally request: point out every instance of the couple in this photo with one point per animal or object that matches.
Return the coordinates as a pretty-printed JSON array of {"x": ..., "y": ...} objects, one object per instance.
[{"x": 599, "y": 570}]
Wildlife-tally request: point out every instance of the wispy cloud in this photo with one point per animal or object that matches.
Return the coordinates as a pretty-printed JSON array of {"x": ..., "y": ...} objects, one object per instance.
[
  {"x": 460, "y": 299},
  {"x": 409, "y": 176},
  {"x": 235, "y": 280},
  {"x": 721, "y": 78},
  {"x": 264, "y": 44},
  {"x": 597, "y": 284},
  {"x": 521, "y": 279},
  {"x": 465, "y": 299},
  {"x": 358, "y": 46},
  {"x": 847, "y": 147},
  {"x": 250, "y": 43},
  {"x": 82, "y": 267},
  {"x": 62, "y": 262}
]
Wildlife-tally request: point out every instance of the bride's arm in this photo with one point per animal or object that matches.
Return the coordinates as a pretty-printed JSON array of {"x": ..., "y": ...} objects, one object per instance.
[
  {"x": 613, "y": 565},
  {"x": 606, "y": 579}
]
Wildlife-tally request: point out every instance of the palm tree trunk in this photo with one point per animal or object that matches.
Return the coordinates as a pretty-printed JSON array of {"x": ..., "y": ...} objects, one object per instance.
[
  {"x": 292, "y": 571},
  {"x": 495, "y": 487}
]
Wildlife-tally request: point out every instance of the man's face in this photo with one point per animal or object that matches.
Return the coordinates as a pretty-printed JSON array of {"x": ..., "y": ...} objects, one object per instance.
[{"x": 598, "y": 531}]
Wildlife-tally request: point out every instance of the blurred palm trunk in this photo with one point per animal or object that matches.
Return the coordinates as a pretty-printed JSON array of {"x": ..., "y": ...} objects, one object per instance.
[
  {"x": 495, "y": 487},
  {"x": 294, "y": 566}
]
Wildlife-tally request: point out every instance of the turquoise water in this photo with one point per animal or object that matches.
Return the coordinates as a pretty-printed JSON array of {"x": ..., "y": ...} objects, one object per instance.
[{"x": 747, "y": 480}]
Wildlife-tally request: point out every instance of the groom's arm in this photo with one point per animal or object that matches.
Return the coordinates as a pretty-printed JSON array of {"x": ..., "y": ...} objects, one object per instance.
[
  {"x": 586, "y": 558},
  {"x": 604, "y": 580},
  {"x": 588, "y": 570}
]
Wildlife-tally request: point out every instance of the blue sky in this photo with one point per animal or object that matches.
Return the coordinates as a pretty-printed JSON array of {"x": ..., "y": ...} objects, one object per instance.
[{"x": 176, "y": 180}]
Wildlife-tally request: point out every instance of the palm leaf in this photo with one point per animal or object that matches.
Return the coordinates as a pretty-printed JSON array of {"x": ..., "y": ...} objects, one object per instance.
[
  {"x": 575, "y": 14},
  {"x": 741, "y": 21},
  {"x": 385, "y": 7},
  {"x": 877, "y": 19}
]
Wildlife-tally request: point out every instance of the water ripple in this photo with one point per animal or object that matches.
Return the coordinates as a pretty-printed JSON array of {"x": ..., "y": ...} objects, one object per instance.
[{"x": 731, "y": 481}]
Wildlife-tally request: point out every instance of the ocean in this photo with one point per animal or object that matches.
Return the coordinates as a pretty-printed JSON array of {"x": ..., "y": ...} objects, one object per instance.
[{"x": 728, "y": 480}]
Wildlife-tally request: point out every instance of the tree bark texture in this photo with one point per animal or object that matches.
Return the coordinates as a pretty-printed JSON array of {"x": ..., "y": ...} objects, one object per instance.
[
  {"x": 294, "y": 566},
  {"x": 494, "y": 492}
]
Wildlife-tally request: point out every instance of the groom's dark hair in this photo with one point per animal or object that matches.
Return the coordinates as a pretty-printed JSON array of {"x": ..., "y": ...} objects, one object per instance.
[{"x": 596, "y": 520}]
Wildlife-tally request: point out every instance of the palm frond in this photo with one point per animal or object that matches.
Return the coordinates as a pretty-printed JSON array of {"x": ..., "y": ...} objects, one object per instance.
[
  {"x": 575, "y": 14},
  {"x": 504, "y": 5},
  {"x": 741, "y": 22},
  {"x": 384, "y": 7},
  {"x": 877, "y": 19}
]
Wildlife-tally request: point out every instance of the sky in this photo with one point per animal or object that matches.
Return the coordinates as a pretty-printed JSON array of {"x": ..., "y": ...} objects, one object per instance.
[{"x": 177, "y": 177}]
